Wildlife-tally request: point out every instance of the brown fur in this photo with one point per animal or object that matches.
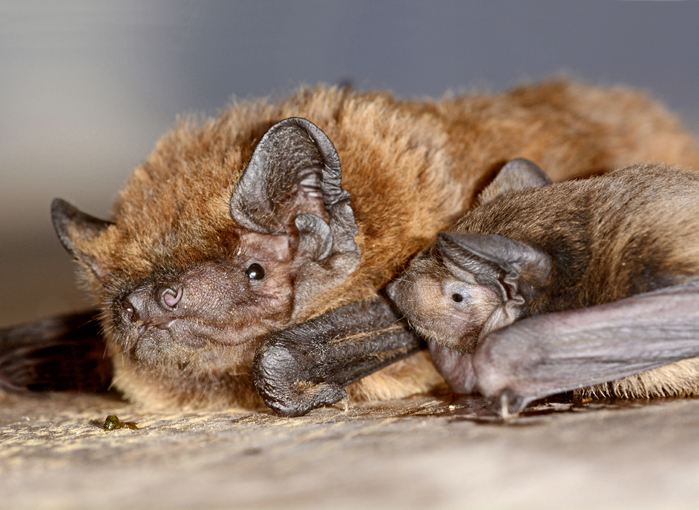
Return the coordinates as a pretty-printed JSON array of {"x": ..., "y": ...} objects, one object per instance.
[
  {"x": 613, "y": 236},
  {"x": 411, "y": 167}
]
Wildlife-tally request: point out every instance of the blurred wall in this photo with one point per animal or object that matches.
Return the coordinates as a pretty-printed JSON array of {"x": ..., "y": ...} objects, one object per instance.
[{"x": 86, "y": 87}]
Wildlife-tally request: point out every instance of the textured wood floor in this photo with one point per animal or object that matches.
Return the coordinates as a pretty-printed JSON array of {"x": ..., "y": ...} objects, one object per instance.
[{"x": 425, "y": 452}]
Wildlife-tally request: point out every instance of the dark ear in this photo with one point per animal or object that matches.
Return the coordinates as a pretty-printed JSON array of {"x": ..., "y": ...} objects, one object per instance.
[
  {"x": 517, "y": 175},
  {"x": 75, "y": 229},
  {"x": 514, "y": 270},
  {"x": 292, "y": 186}
]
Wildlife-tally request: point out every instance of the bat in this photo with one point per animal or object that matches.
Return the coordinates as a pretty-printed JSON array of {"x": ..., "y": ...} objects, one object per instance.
[
  {"x": 550, "y": 287},
  {"x": 282, "y": 218}
]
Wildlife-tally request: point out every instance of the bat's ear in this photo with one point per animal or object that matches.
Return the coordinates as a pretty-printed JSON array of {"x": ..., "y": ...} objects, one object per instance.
[
  {"x": 77, "y": 231},
  {"x": 292, "y": 187},
  {"x": 516, "y": 271},
  {"x": 517, "y": 175}
]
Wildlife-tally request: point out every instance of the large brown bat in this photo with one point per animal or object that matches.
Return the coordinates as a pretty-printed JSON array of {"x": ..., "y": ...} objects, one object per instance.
[
  {"x": 602, "y": 272},
  {"x": 279, "y": 211}
]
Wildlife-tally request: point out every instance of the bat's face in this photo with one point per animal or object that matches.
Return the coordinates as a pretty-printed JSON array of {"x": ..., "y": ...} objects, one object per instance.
[
  {"x": 193, "y": 274},
  {"x": 207, "y": 317},
  {"x": 443, "y": 302},
  {"x": 467, "y": 285}
]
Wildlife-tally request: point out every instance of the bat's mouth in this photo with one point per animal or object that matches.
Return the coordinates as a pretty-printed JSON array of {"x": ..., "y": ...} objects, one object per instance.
[{"x": 195, "y": 333}]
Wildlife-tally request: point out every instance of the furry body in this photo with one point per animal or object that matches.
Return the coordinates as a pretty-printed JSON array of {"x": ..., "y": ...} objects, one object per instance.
[
  {"x": 410, "y": 167},
  {"x": 589, "y": 242}
]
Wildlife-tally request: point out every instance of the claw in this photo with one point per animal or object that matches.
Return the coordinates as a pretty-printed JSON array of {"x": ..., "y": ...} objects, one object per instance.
[{"x": 344, "y": 404}]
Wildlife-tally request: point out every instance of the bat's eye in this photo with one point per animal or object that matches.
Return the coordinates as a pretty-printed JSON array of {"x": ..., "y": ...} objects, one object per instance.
[
  {"x": 255, "y": 271},
  {"x": 458, "y": 298},
  {"x": 129, "y": 310}
]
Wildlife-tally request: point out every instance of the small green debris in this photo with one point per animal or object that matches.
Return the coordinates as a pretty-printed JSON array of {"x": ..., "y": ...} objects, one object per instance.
[{"x": 113, "y": 422}]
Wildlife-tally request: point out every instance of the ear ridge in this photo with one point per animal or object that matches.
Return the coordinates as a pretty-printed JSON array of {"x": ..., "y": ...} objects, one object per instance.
[
  {"x": 75, "y": 227},
  {"x": 458, "y": 253},
  {"x": 293, "y": 153},
  {"x": 282, "y": 158},
  {"x": 521, "y": 263},
  {"x": 335, "y": 199},
  {"x": 517, "y": 175},
  {"x": 315, "y": 237}
]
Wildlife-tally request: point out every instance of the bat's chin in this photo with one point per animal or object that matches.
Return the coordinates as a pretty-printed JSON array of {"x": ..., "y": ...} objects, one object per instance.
[
  {"x": 214, "y": 378},
  {"x": 192, "y": 346},
  {"x": 455, "y": 367}
]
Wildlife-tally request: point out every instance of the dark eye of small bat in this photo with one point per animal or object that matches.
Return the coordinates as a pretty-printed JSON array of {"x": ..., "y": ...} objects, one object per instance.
[
  {"x": 457, "y": 298},
  {"x": 129, "y": 310},
  {"x": 255, "y": 271}
]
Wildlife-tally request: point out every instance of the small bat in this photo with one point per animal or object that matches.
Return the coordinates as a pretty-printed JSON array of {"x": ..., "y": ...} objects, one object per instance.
[
  {"x": 544, "y": 288},
  {"x": 292, "y": 213}
]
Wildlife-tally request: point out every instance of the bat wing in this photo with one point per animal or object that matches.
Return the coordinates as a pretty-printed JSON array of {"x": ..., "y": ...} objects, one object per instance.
[
  {"x": 307, "y": 366},
  {"x": 548, "y": 354},
  {"x": 65, "y": 353}
]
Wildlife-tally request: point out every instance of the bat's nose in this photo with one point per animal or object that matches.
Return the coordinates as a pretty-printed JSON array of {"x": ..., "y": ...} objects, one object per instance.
[
  {"x": 148, "y": 306},
  {"x": 170, "y": 296}
]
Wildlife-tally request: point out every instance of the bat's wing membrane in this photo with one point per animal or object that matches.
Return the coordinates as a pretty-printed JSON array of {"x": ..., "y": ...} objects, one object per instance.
[{"x": 548, "y": 354}]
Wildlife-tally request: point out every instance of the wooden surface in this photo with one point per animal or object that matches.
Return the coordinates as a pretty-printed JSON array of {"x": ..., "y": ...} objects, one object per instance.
[{"x": 425, "y": 452}]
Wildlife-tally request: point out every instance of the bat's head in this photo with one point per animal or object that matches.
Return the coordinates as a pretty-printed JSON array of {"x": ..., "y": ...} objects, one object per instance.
[
  {"x": 443, "y": 301},
  {"x": 466, "y": 284},
  {"x": 211, "y": 249}
]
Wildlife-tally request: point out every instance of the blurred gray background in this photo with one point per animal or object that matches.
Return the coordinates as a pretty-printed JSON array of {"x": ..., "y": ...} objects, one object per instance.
[{"x": 87, "y": 87}]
